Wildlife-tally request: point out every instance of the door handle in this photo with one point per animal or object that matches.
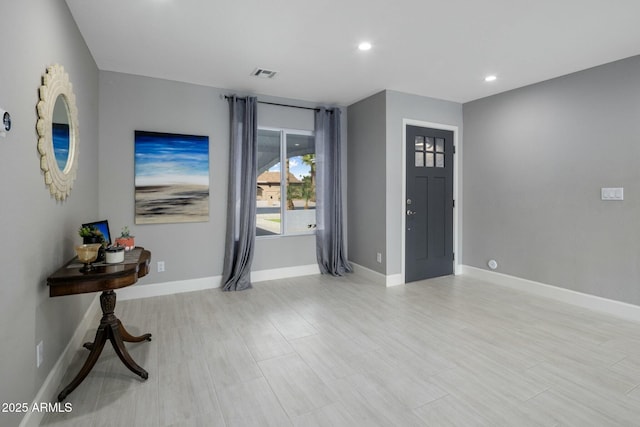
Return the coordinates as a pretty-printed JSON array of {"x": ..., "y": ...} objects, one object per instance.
[{"x": 410, "y": 212}]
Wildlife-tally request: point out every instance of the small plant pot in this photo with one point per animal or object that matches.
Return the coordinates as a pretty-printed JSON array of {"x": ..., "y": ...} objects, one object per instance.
[{"x": 127, "y": 242}]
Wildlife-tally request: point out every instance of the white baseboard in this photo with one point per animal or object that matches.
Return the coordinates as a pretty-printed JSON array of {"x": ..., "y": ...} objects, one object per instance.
[
  {"x": 375, "y": 277},
  {"x": 394, "y": 280},
  {"x": 458, "y": 269},
  {"x": 169, "y": 288},
  {"x": 203, "y": 283},
  {"x": 592, "y": 302},
  {"x": 284, "y": 273},
  {"x": 47, "y": 392},
  {"x": 370, "y": 275}
]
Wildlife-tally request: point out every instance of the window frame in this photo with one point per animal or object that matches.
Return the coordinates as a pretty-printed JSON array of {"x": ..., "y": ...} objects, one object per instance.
[{"x": 283, "y": 181}]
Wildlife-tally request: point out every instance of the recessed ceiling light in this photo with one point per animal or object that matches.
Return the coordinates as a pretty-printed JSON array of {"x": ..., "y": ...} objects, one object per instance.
[
  {"x": 490, "y": 78},
  {"x": 364, "y": 46}
]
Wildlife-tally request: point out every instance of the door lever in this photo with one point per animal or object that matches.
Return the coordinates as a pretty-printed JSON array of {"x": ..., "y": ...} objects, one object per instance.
[{"x": 410, "y": 212}]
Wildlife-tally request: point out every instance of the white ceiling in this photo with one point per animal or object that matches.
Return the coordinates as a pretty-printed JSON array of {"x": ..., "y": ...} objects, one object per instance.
[{"x": 437, "y": 48}]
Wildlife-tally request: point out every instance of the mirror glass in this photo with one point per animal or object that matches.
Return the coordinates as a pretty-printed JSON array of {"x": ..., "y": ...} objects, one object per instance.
[{"x": 60, "y": 132}]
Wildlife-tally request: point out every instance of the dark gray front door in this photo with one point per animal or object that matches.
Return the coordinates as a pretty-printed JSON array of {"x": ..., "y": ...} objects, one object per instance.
[{"x": 429, "y": 203}]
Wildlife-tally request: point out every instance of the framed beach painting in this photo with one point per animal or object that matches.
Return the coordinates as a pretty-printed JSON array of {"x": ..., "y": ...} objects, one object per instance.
[{"x": 171, "y": 178}]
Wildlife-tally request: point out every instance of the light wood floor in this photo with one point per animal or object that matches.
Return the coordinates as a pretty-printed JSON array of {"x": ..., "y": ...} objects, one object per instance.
[{"x": 318, "y": 351}]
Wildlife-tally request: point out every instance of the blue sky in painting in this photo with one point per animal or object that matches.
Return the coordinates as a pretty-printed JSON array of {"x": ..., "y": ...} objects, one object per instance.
[{"x": 166, "y": 159}]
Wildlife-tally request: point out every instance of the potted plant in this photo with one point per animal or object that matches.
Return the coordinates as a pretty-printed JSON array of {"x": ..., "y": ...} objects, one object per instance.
[
  {"x": 126, "y": 239},
  {"x": 90, "y": 234}
]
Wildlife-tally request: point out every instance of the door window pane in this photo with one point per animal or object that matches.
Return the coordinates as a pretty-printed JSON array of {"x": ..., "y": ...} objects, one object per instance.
[
  {"x": 440, "y": 145},
  {"x": 419, "y": 141},
  {"x": 429, "y": 143},
  {"x": 439, "y": 160},
  {"x": 419, "y": 159},
  {"x": 429, "y": 160}
]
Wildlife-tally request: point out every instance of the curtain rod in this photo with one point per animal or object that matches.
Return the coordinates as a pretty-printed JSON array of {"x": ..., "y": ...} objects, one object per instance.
[
  {"x": 283, "y": 105},
  {"x": 287, "y": 105}
]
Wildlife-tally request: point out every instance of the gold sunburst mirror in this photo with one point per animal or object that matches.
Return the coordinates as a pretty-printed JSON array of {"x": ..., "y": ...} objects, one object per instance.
[{"x": 57, "y": 132}]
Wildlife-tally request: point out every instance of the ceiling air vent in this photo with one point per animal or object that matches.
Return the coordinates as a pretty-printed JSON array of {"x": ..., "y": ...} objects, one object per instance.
[{"x": 264, "y": 73}]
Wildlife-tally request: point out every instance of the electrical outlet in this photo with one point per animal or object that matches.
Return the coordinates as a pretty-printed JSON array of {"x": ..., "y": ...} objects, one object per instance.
[
  {"x": 379, "y": 257},
  {"x": 160, "y": 266},
  {"x": 39, "y": 354}
]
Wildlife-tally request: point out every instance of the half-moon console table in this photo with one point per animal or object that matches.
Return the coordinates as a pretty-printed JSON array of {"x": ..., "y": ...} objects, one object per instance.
[{"x": 68, "y": 280}]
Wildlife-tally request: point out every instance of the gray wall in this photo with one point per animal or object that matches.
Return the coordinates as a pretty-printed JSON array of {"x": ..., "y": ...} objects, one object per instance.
[
  {"x": 129, "y": 103},
  {"x": 405, "y": 106},
  {"x": 191, "y": 250},
  {"x": 375, "y": 172},
  {"x": 535, "y": 160},
  {"x": 366, "y": 177},
  {"x": 38, "y": 232}
]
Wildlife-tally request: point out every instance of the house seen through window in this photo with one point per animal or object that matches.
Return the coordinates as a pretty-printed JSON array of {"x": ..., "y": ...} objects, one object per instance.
[{"x": 286, "y": 184}]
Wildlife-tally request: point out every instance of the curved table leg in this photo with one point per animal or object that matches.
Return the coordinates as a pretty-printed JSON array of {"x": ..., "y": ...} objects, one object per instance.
[
  {"x": 110, "y": 329},
  {"x": 123, "y": 354},
  {"x": 96, "y": 349},
  {"x": 127, "y": 337}
]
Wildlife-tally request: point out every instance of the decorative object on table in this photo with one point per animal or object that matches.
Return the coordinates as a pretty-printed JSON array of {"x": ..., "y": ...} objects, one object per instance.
[
  {"x": 114, "y": 254},
  {"x": 96, "y": 232},
  {"x": 57, "y": 128},
  {"x": 171, "y": 178},
  {"x": 90, "y": 234},
  {"x": 126, "y": 240},
  {"x": 87, "y": 254}
]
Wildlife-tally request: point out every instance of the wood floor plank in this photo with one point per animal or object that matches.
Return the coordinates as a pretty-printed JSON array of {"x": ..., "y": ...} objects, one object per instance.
[
  {"x": 449, "y": 411},
  {"x": 297, "y": 387},
  {"x": 370, "y": 404},
  {"x": 137, "y": 407},
  {"x": 186, "y": 391},
  {"x": 291, "y": 325},
  {"x": 230, "y": 362},
  {"x": 319, "y": 353},
  {"x": 252, "y": 403},
  {"x": 563, "y": 410},
  {"x": 496, "y": 404},
  {"x": 333, "y": 415},
  {"x": 264, "y": 341},
  {"x": 629, "y": 369},
  {"x": 411, "y": 390},
  {"x": 615, "y": 407}
]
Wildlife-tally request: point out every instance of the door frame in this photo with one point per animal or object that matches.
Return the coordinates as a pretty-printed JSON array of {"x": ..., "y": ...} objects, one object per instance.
[{"x": 457, "y": 193}]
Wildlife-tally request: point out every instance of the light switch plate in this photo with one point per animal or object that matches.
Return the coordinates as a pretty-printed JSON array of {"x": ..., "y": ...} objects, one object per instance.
[{"x": 612, "y": 193}]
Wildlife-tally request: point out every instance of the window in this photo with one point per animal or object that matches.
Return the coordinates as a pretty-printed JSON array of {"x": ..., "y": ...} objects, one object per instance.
[
  {"x": 286, "y": 184},
  {"x": 425, "y": 151}
]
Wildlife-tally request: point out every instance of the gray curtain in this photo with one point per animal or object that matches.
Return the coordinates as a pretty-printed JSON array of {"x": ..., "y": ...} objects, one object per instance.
[
  {"x": 241, "y": 203},
  {"x": 329, "y": 235}
]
